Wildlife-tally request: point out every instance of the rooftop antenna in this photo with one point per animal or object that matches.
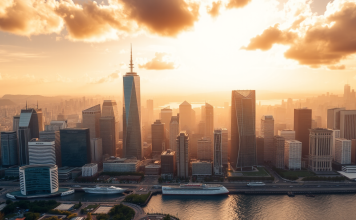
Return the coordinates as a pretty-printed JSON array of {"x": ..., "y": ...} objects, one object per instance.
[
  {"x": 26, "y": 104},
  {"x": 131, "y": 64},
  {"x": 37, "y": 104}
]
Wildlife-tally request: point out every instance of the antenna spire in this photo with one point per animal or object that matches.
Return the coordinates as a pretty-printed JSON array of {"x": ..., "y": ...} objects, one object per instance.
[
  {"x": 131, "y": 64},
  {"x": 26, "y": 104},
  {"x": 37, "y": 104}
]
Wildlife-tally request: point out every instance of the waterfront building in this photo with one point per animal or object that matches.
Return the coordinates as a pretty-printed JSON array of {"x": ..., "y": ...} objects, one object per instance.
[
  {"x": 173, "y": 132},
  {"x": 75, "y": 147},
  {"x": 108, "y": 135},
  {"x": 217, "y": 153},
  {"x": 333, "y": 118},
  {"x": 267, "y": 132},
  {"x": 201, "y": 168},
  {"x": 168, "y": 164},
  {"x": 8, "y": 148},
  {"x": 116, "y": 164},
  {"x": 342, "y": 151},
  {"x": 302, "y": 125},
  {"x": 132, "y": 139},
  {"x": 287, "y": 134},
  {"x": 320, "y": 152},
  {"x": 260, "y": 150},
  {"x": 209, "y": 121},
  {"x": 158, "y": 137},
  {"x": 293, "y": 154},
  {"x": 185, "y": 117},
  {"x": 38, "y": 179},
  {"x": 204, "y": 150},
  {"x": 41, "y": 151},
  {"x": 279, "y": 151},
  {"x": 243, "y": 137},
  {"x": 91, "y": 118},
  {"x": 348, "y": 124},
  {"x": 89, "y": 169},
  {"x": 182, "y": 157},
  {"x": 96, "y": 150}
]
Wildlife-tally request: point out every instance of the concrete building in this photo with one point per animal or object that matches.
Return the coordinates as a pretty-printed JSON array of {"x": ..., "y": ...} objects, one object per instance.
[
  {"x": 302, "y": 125},
  {"x": 205, "y": 149},
  {"x": 8, "y": 143},
  {"x": 54, "y": 136},
  {"x": 41, "y": 151},
  {"x": 209, "y": 121},
  {"x": 173, "y": 132},
  {"x": 348, "y": 124},
  {"x": 185, "y": 117},
  {"x": 96, "y": 150},
  {"x": 56, "y": 125},
  {"x": 243, "y": 136},
  {"x": 168, "y": 164},
  {"x": 182, "y": 154},
  {"x": 89, "y": 169},
  {"x": 166, "y": 116},
  {"x": 108, "y": 134},
  {"x": 120, "y": 165},
  {"x": 158, "y": 137},
  {"x": 15, "y": 123},
  {"x": 38, "y": 179},
  {"x": 267, "y": 132},
  {"x": 149, "y": 106},
  {"x": 153, "y": 169},
  {"x": 260, "y": 150},
  {"x": 110, "y": 109},
  {"x": 342, "y": 151},
  {"x": 132, "y": 133},
  {"x": 201, "y": 168},
  {"x": 293, "y": 154},
  {"x": 217, "y": 153},
  {"x": 336, "y": 134},
  {"x": 91, "y": 118},
  {"x": 287, "y": 134},
  {"x": 279, "y": 149},
  {"x": 333, "y": 118},
  {"x": 320, "y": 152}
]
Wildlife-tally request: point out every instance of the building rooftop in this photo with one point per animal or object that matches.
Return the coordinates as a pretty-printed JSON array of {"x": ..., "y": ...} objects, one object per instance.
[
  {"x": 293, "y": 141},
  {"x": 153, "y": 166},
  {"x": 40, "y": 140},
  {"x": 185, "y": 103},
  {"x": 168, "y": 152},
  {"x": 38, "y": 165},
  {"x": 95, "y": 108},
  {"x": 90, "y": 165}
]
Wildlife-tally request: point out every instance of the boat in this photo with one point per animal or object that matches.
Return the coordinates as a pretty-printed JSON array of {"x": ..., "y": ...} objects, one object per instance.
[
  {"x": 256, "y": 184},
  {"x": 309, "y": 195},
  {"x": 291, "y": 194},
  {"x": 104, "y": 190},
  {"x": 195, "y": 189}
]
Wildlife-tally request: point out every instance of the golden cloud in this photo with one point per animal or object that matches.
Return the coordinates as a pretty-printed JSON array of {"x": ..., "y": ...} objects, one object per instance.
[
  {"x": 158, "y": 63},
  {"x": 214, "y": 10},
  {"x": 237, "y": 3}
]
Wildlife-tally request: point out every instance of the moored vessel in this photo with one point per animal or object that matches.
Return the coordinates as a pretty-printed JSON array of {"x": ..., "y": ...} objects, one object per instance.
[
  {"x": 104, "y": 190},
  {"x": 195, "y": 189}
]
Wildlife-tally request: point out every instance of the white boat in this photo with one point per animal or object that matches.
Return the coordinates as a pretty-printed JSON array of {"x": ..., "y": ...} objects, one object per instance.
[
  {"x": 256, "y": 184},
  {"x": 104, "y": 190},
  {"x": 195, "y": 189}
]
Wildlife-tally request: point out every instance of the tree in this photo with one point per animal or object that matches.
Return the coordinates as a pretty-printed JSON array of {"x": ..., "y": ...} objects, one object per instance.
[
  {"x": 8, "y": 201},
  {"x": 102, "y": 217},
  {"x": 32, "y": 216},
  {"x": 72, "y": 216},
  {"x": 88, "y": 216},
  {"x": 167, "y": 217}
]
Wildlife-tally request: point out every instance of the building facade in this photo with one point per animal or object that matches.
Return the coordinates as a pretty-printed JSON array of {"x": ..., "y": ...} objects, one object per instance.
[
  {"x": 287, "y": 134},
  {"x": 96, "y": 150},
  {"x": 209, "y": 121},
  {"x": 158, "y": 137},
  {"x": 267, "y": 132},
  {"x": 120, "y": 165},
  {"x": 54, "y": 136},
  {"x": 91, "y": 118},
  {"x": 108, "y": 135},
  {"x": 173, "y": 132},
  {"x": 41, "y": 151},
  {"x": 168, "y": 163},
  {"x": 110, "y": 109},
  {"x": 182, "y": 155},
  {"x": 9, "y": 146},
  {"x": 89, "y": 169},
  {"x": 293, "y": 154},
  {"x": 166, "y": 115},
  {"x": 333, "y": 118},
  {"x": 201, "y": 168},
  {"x": 218, "y": 164},
  {"x": 279, "y": 149},
  {"x": 205, "y": 149},
  {"x": 348, "y": 124},
  {"x": 320, "y": 152},
  {"x": 302, "y": 125},
  {"x": 260, "y": 143},
  {"x": 185, "y": 117},
  {"x": 342, "y": 151}
]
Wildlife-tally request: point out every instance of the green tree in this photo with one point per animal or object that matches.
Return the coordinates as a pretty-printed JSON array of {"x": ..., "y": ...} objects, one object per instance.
[
  {"x": 8, "y": 201},
  {"x": 102, "y": 217},
  {"x": 72, "y": 216},
  {"x": 32, "y": 216},
  {"x": 167, "y": 217}
]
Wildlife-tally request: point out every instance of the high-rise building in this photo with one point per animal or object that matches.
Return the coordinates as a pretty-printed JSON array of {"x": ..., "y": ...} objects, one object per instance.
[
  {"x": 260, "y": 143},
  {"x": 110, "y": 109},
  {"x": 209, "y": 121},
  {"x": 293, "y": 154},
  {"x": 267, "y": 132},
  {"x": 158, "y": 137},
  {"x": 8, "y": 148},
  {"x": 132, "y": 139},
  {"x": 193, "y": 145},
  {"x": 224, "y": 144},
  {"x": 243, "y": 137},
  {"x": 96, "y": 150},
  {"x": 15, "y": 123},
  {"x": 201, "y": 128},
  {"x": 56, "y": 125},
  {"x": 28, "y": 129},
  {"x": 348, "y": 124},
  {"x": 287, "y": 134},
  {"x": 204, "y": 151},
  {"x": 173, "y": 132},
  {"x": 343, "y": 151},
  {"x": 75, "y": 147},
  {"x": 336, "y": 134},
  {"x": 40, "y": 119},
  {"x": 91, "y": 118},
  {"x": 166, "y": 115},
  {"x": 279, "y": 149},
  {"x": 182, "y": 155},
  {"x": 185, "y": 117},
  {"x": 333, "y": 118},
  {"x": 108, "y": 135},
  {"x": 41, "y": 151},
  {"x": 218, "y": 152},
  {"x": 302, "y": 124},
  {"x": 149, "y": 106},
  {"x": 54, "y": 136},
  {"x": 168, "y": 164},
  {"x": 320, "y": 153}
]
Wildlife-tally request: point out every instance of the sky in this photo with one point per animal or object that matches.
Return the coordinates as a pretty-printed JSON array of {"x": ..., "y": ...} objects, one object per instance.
[{"x": 65, "y": 47}]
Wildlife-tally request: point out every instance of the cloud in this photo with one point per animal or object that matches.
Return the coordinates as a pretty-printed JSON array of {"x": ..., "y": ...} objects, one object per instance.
[
  {"x": 158, "y": 63},
  {"x": 0, "y": 77},
  {"x": 336, "y": 67},
  {"x": 109, "y": 78},
  {"x": 29, "y": 17},
  {"x": 237, "y": 3},
  {"x": 162, "y": 17},
  {"x": 214, "y": 10},
  {"x": 318, "y": 40}
]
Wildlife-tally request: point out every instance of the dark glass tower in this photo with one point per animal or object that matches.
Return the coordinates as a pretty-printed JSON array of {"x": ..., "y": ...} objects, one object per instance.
[
  {"x": 302, "y": 124},
  {"x": 8, "y": 148},
  {"x": 107, "y": 132}
]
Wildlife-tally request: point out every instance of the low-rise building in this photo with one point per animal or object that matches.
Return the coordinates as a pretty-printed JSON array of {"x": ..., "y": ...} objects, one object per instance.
[
  {"x": 89, "y": 169},
  {"x": 65, "y": 173},
  {"x": 116, "y": 164},
  {"x": 202, "y": 168},
  {"x": 153, "y": 169}
]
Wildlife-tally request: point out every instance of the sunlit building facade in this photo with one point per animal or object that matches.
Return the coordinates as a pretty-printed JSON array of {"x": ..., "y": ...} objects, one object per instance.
[{"x": 320, "y": 152}]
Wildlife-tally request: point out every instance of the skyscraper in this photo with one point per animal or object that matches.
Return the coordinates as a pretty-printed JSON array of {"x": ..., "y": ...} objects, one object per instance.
[
  {"x": 343, "y": 151},
  {"x": 302, "y": 124},
  {"x": 218, "y": 152},
  {"x": 173, "y": 132},
  {"x": 204, "y": 150},
  {"x": 132, "y": 140},
  {"x": 293, "y": 154},
  {"x": 158, "y": 137},
  {"x": 54, "y": 136},
  {"x": 260, "y": 142},
  {"x": 96, "y": 150},
  {"x": 243, "y": 137},
  {"x": 185, "y": 116},
  {"x": 209, "y": 121},
  {"x": 107, "y": 133},
  {"x": 110, "y": 109},
  {"x": 348, "y": 124},
  {"x": 333, "y": 118},
  {"x": 320, "y": 154},
  {"x": 41, "y": 151},
  {"x": 91, "y": 117},
  {"x": 166, "y": 115},
  {"x": 287, "y": 134},
  {"x": 149, "y": 106},
  {"x": 8, "y": 148},
  {"x": 182, "y": 155},
  {"x": 267, "y": 132},
  {"x": 279, "y": 151},
  {"x": 15, "y": 123}
]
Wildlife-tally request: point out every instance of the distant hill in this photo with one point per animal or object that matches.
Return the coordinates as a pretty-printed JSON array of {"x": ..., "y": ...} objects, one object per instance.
[
  {"x": 33, "y": 99},
  {"x": 6, "y": 102}
]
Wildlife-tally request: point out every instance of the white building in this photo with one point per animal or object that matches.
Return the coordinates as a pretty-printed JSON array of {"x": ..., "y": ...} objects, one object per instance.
[
  {"x": 89, "y": 169},
  {"x": 117, "y": 164},
  {"x": 287, "y": 134},
  {"x": 41, "y": 151},
  {"x": 293, "y": 154},
  {"x": 201, "y": 168},
  {"x": 96, "y": 148},
  {"x": 342, "y": 151},
  {"x": 320, "y": 152}
]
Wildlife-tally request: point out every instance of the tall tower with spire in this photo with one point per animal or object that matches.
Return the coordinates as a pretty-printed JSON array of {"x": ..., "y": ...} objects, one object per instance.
[{"x": 132, "y": 139}]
